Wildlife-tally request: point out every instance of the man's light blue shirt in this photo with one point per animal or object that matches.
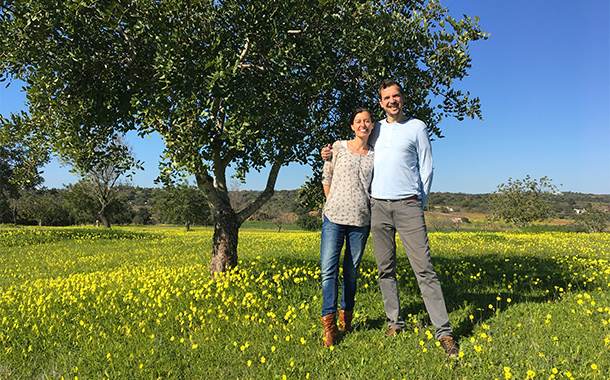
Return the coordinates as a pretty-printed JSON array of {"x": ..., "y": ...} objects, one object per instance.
[{"x": 403, "y": 160}]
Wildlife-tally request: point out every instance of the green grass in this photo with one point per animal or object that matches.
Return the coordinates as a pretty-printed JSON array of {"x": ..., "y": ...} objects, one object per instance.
[
  {"x": 252, "y": 224},
  {"x": 138, "y": 303}
]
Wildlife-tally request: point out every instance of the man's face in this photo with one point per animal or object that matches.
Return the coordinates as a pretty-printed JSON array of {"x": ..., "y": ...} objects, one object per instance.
[{"x": 392, "y": 101}]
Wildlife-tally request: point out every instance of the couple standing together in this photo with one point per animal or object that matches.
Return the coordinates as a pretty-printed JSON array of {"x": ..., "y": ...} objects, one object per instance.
[{"x": 398, "y": 151}]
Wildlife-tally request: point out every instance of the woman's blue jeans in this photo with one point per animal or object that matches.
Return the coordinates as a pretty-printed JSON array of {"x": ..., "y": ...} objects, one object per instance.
[{"x": 333, "y": 237}]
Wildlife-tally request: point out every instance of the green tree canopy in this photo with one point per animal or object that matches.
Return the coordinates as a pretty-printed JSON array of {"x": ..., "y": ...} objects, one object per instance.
[
  {"x": 45, "y": 207},
  {"x": 181, "y": 204},
  {"x": 241, "y": 83},
  {"x": 102, "y": 176},
  {"x": 592, "y": 220},
  {"x": 523, "y": 201},
  {"x": 82, "y": 206},
  {"x": 87, "y": 199},
  {"x": 19, "y": 170}
]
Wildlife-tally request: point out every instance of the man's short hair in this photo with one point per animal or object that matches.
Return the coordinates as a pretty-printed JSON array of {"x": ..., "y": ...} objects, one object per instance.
[{"x": 389, "y": 83}]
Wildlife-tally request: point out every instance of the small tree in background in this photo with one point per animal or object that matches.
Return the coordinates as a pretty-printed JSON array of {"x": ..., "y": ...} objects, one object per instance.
[
  {"x": 83, "y": 208},
  {"x": 142, "y": 216},
  {"x": 593, "y": 220},
  {"x": 83, "y": 202},
  {"x": 284, "y": 218},
  {"x": 46, "y": 207},
  {"x": 19, "y": 170},
  {"x": 311, "y": 200},
  {"x": 102, "y": 168},
  {"x": 182, "y": 204},
  {"x": 310, "y": 222},
  {"x": 521, "y": 202},
  {"x": 311, "y": 194}
]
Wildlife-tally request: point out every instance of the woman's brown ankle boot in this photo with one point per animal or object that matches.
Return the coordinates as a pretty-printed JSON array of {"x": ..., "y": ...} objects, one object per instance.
[{"x": 331, "y": 333}]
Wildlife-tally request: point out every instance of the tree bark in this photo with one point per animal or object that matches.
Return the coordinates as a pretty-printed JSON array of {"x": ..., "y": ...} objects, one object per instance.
[
  {"x": 226, "y": 221},
  {"x": 224, "y": 246},
  {"x": 103, "y": 218}
]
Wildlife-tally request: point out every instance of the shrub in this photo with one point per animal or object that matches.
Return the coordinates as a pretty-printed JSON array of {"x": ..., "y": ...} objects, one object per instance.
[
  {"x": 310, "y": 222},
  {"x": 593, "y": 220}
]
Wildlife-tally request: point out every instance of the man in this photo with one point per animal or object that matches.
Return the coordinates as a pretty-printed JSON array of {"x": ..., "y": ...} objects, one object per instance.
[{"x": 402, "y": 177}]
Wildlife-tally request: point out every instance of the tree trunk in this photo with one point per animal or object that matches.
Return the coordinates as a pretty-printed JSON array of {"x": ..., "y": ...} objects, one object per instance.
[
  {"x": 224, "y": 245},
  {"x": 14, "y": 204},
  {"x": 226, "y": 220},
  {"x": 103, "y": 218}
]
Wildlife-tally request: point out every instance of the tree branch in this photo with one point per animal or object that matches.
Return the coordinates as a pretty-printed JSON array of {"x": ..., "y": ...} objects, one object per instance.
[
  {"x": 240, "y": 62},
  {"x": 205, "y": 183},
  {"x": 245, "y": 51},
  {"x": 218, "y": 111},
  {"x": 266, "y": 194}
]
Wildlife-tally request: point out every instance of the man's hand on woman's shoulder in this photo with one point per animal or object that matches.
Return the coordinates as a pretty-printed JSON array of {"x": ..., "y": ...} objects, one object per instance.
[{"x": 327, "y": 152}]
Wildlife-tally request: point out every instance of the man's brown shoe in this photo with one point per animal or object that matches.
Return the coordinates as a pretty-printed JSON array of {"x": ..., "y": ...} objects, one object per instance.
[
  {"x": 449, "y": 345},
  {"x": 392, "y": 331}
]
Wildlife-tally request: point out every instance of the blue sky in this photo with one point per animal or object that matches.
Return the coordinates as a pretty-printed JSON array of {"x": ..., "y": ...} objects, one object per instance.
[{"x": 543, "y": 77}]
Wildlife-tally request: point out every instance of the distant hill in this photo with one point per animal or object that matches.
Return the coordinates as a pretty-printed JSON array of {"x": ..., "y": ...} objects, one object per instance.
[
  {"x": 285, "y": 201},
  {"x": 565, "y": 203},
  {"x": 139, "y": 203}
]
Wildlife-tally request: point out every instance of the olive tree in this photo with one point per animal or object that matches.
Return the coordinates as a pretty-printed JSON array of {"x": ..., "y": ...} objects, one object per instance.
[
  {"x": 181, "y": 204},
  {"x": 101, "y": 177},
  {"x": 592, "y": 220},
  {"x": 87, "y": 201},
  {"x": 19, "y": 170},
  {"x": 522, "y": 201},
  {"x": 245, "y": 84},
  {"x": 44, "y": 206}
]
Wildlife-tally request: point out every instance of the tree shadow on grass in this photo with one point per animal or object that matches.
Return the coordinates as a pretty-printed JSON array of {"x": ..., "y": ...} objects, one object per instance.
[
  {"x": 480, "y": 283},
  {"x": 471, "y": 283},
  {"x": 377, "y": 323}
]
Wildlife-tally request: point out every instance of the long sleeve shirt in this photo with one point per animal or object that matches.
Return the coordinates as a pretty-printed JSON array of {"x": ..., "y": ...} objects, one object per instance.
[
  {"x": 349, "y": 177},
  {"x": 403, "y": 160}
]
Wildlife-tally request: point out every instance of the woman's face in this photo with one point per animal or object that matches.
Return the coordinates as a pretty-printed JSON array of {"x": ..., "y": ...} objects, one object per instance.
[{"x": 363, "y": 124}]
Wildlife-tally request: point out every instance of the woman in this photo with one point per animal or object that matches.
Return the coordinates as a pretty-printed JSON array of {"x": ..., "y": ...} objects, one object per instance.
[{"x": 346, "y": 181}]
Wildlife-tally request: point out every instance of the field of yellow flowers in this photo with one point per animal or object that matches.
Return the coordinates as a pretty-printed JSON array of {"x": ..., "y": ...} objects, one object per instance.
[{"x": 137, "y": 303}]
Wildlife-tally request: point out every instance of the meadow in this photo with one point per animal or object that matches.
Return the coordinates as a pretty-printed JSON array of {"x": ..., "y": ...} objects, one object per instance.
[{"x": 138, "y": 303}]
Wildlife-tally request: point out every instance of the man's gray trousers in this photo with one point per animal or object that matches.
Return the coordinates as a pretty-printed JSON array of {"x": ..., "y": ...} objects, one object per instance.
[{"x": 407, "y": 218}]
